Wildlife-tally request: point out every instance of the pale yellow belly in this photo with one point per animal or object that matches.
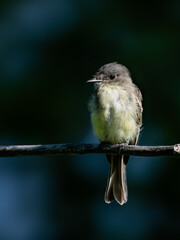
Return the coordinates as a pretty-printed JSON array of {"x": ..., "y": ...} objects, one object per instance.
[
  {"x": 117, "y": 128},
  {"x": 115, "y": 120}
]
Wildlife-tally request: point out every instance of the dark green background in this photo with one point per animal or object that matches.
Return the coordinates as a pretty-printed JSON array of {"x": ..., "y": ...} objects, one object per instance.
[{"x": 48, "y": 50}]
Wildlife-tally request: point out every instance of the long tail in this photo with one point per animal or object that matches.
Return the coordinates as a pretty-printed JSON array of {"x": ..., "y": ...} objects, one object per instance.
[{"x": 117, "y": 184}]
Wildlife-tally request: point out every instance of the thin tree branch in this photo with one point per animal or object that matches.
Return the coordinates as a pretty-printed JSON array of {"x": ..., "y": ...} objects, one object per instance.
[{"x": 64, "y": 149}]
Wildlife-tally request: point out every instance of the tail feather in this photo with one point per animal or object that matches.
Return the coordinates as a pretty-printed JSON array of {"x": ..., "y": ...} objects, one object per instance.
[
  {"x": 117, "y": 185},
  {"x": 109, "y": 189}
]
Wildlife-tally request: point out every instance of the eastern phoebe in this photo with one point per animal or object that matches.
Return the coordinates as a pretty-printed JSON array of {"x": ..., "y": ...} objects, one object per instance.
[{"x": 116, "y": 116}]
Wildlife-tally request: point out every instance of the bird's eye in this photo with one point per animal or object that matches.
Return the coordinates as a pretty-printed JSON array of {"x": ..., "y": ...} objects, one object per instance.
[{"x": 112, "y": 76}]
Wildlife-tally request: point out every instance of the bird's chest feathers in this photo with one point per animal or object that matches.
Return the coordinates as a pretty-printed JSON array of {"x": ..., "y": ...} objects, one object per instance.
[
  {"x": 112, "y": 99},
  {"x": 114, "y": 119},
  {"x": 114, "y": 102}
]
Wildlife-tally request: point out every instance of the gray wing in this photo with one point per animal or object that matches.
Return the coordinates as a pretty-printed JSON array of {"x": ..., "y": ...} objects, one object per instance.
[{"x": 138, "y": 97}]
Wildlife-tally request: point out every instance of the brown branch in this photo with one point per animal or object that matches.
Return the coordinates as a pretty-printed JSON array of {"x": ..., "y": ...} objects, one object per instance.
[{"x": 64, "y": 149}]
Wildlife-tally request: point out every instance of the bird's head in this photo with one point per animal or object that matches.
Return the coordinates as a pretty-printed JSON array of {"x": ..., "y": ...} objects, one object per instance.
[{"x": 111, "y": 73}]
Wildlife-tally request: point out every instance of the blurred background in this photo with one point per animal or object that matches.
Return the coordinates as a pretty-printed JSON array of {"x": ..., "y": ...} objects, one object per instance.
[{"x": 48, "y": 50}]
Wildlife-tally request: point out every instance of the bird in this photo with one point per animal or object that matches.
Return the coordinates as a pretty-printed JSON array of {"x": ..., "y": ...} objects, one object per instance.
[{"x": 116, "y": 117}]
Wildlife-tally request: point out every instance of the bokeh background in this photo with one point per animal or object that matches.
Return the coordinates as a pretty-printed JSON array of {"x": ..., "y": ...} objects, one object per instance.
[{"x": 48, "y": 50}]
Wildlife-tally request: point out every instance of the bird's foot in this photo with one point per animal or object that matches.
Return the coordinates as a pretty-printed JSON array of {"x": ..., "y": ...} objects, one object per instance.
[
  {"x": 102, "y": 145},
  {"x": 122, "y": 145}
]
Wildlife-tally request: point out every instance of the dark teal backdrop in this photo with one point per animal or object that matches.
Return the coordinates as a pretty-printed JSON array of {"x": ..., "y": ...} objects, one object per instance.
[{"x": 48, "y": 50}]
